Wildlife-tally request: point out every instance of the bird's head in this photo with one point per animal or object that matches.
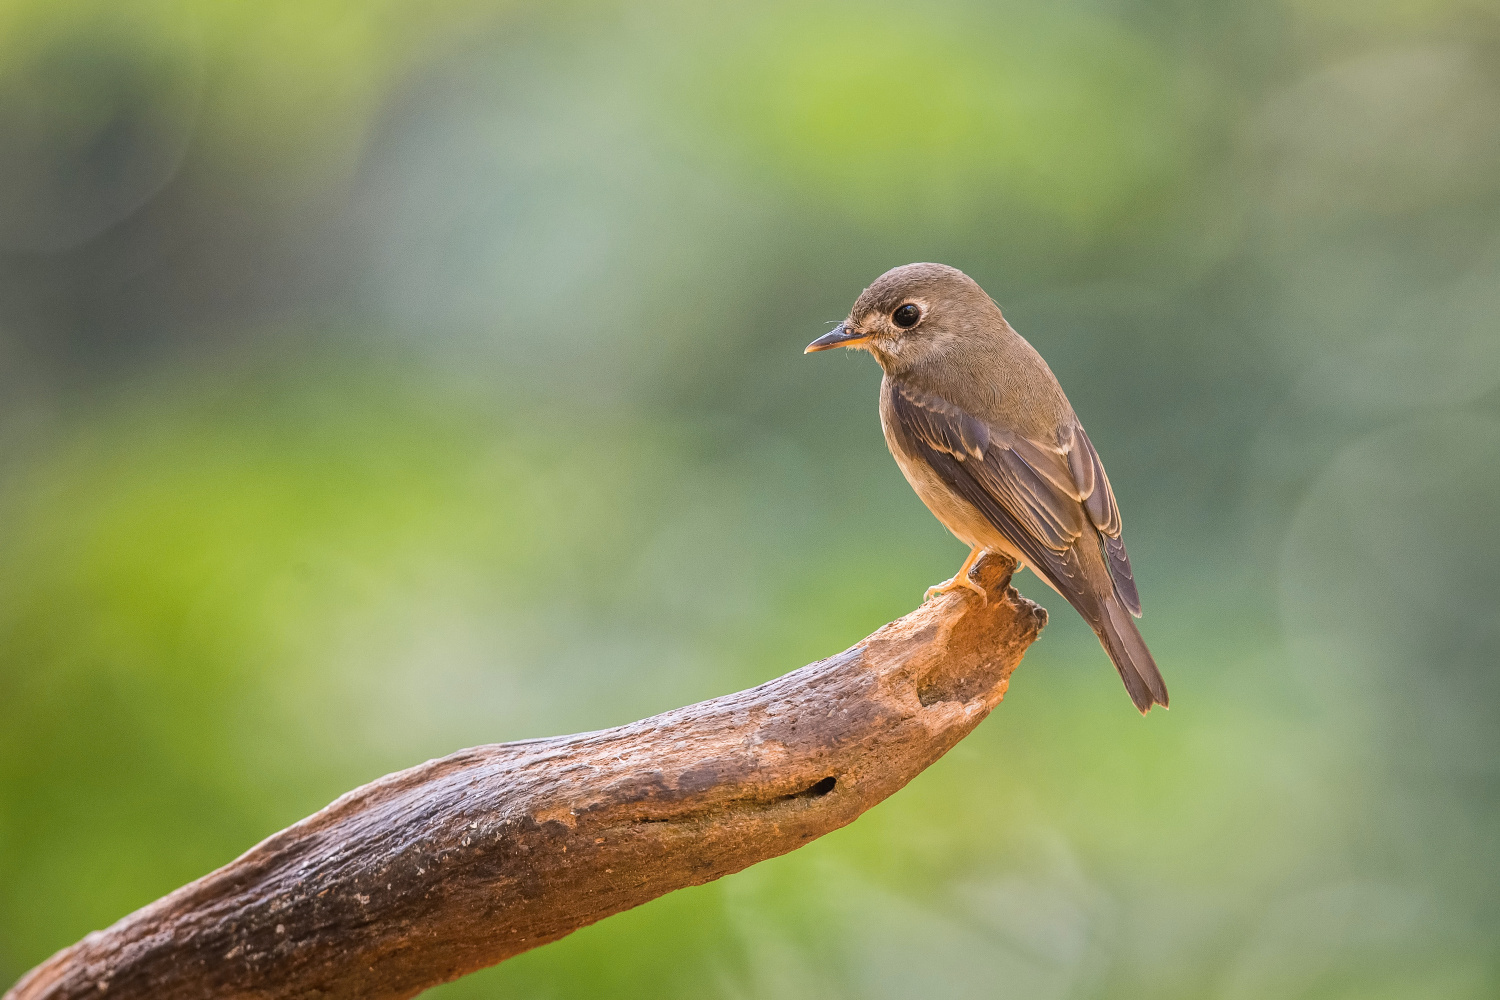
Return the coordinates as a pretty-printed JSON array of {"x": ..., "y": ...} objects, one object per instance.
[{"x": 913, "y": 315}]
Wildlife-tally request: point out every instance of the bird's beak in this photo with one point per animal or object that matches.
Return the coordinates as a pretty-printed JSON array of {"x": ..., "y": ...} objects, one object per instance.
[{"x": 839, "y": 336}]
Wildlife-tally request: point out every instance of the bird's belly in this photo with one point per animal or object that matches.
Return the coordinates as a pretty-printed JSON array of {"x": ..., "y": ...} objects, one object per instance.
[{"x": 957, "y": 514}]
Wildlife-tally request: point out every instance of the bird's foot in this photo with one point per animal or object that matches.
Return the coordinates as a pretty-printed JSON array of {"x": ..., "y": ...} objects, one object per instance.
[{"x": 960, "y": 581}]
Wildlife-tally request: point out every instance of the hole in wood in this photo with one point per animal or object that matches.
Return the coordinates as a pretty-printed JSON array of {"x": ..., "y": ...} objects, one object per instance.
[{"x": 817, "y": 790}]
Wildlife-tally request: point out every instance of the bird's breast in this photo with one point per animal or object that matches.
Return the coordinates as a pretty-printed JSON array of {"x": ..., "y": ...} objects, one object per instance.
[{"x": 956, "y": 514}]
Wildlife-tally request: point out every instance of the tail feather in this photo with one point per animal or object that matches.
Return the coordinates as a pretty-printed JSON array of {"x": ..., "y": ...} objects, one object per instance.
[{"x": 1122, "y": 641}]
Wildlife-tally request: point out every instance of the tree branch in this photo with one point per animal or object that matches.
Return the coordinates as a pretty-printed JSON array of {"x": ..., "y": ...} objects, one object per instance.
[{"x": 437, "y": 871}]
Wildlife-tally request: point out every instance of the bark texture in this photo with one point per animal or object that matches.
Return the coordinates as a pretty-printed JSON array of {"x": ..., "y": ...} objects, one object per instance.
[{"x": 437, "y": 871}]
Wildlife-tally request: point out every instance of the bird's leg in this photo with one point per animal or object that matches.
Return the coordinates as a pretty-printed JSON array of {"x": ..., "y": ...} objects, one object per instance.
[{"x": 961, "y": 579}]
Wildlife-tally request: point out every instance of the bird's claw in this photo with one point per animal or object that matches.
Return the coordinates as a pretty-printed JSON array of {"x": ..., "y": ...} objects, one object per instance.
[{"x": 962, "y": 581}]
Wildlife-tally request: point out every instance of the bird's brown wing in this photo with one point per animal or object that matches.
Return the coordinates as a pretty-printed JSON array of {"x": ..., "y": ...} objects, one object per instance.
[
  {"x": 1099, "y": 501},
  {"x": 1042, "y": 497},
  {"x": 1051, "y": 501}
]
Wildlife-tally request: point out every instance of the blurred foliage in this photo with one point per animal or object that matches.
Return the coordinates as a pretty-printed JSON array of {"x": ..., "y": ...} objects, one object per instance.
[{"x": 378, "y": 379}]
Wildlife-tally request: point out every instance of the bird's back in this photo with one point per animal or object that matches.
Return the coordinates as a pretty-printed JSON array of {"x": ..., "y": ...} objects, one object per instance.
[{"x": 1008, "y": 385}]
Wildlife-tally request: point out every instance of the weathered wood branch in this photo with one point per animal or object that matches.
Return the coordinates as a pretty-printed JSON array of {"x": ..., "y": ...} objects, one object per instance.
[{"x": 433, "y": 872}]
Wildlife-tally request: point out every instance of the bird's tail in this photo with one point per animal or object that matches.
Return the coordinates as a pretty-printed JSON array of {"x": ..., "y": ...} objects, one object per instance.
[{"x": 1122, "y": 641}]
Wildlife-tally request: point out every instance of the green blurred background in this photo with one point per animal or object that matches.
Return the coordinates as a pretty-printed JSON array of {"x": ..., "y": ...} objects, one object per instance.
[{"x": 383, "y": 378}]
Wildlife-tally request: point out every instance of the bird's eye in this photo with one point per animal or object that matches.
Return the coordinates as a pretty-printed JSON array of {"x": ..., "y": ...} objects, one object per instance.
[{"x": 906, "y": 317}]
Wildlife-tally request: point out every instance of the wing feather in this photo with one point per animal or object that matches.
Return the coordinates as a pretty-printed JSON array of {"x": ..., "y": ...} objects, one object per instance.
[
  {"x": 996, "y": 481},
  {"x": 1098, "y": 498},
  {"x": 1041, "y": 497},
  {"x": 1099, "y": 501}
]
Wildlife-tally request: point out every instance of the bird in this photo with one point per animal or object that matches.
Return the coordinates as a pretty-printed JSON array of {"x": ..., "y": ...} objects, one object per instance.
[{"x": 982, "y": 431}]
